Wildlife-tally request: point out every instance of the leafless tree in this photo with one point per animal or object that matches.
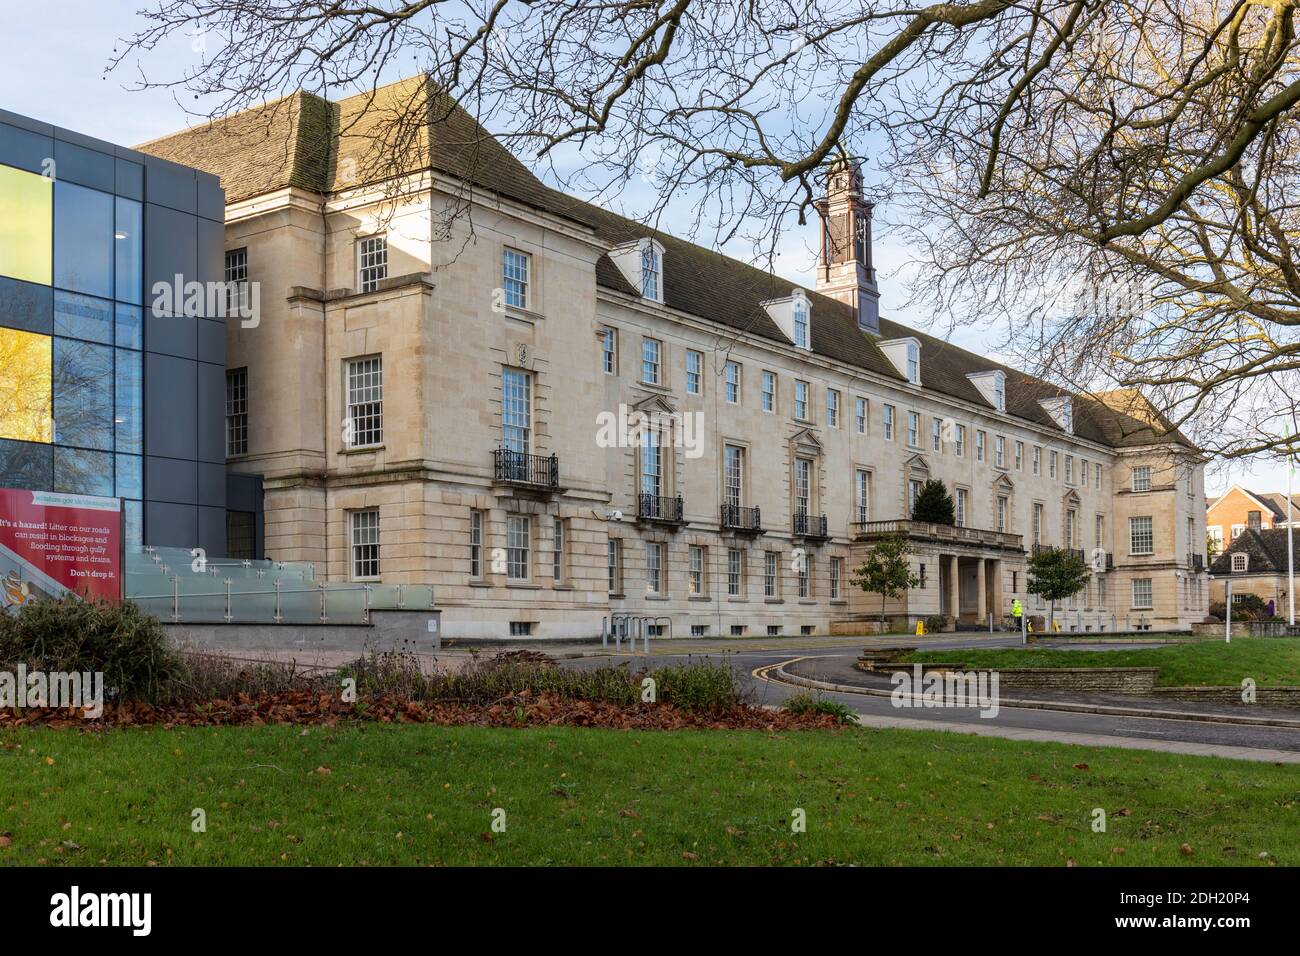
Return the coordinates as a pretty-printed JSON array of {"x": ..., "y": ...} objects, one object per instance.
[{"x": 1109, "y": 181}]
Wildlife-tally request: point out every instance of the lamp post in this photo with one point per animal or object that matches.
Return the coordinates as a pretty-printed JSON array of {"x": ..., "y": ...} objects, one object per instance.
[{"x": 1227, "y": 608}]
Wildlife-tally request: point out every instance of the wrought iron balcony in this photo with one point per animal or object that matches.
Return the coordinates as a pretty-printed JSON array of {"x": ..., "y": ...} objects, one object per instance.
[
  {"x": 810, "y": 526},
  {"x": 1072, "y": 552},
  {"x": 1196, "y": 561},
  {"x": 741, "y": 520},
  {"x": 533, "y": 471},
  {"x": 659, "y": 508}
]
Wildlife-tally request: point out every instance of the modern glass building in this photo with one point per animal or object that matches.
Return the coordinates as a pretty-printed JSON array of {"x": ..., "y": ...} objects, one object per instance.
[{"x": 106, "y": 388}]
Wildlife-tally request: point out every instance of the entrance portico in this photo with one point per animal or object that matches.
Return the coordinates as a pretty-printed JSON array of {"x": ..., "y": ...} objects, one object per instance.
[
  {"x": 974, "y": 571},
  {"x": 971, "y": 587}
]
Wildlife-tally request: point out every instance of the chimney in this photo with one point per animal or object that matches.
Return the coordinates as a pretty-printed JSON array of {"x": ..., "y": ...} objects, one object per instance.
[{"x": 844, "y": 269}]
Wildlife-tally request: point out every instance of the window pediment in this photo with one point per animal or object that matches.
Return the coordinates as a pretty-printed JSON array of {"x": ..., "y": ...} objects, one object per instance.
[
  {"x": 652, "y": 405},
  {"x": 805, "y": 444}
]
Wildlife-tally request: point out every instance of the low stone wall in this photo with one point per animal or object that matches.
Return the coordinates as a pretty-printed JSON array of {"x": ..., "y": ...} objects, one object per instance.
[
  {"x": 854, "y": 628},
  {"x": 1108, "y": 680},
  {"x": 1288, "y": 697},
  {"x": 1215, "y": 629},
  {"x": 387, "y": 631}
]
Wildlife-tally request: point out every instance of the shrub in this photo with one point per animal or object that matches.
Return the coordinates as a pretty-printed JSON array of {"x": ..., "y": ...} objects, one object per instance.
[
  {"x": 211, "y": 676},
  {"x": 934, "y": 504},
  {"x": 126, "y": 645},
  {"x": 935, "y": 623},
  {"x": 808, "y": 704},
  {"x": 1251, "y": 607},
  {"x": 508, "y": 677},
  {"x": 697, "y": 685}
]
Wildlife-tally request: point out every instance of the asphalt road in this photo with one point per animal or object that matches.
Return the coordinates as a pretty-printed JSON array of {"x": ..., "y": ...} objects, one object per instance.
[{"x": 1009, "y": 720}]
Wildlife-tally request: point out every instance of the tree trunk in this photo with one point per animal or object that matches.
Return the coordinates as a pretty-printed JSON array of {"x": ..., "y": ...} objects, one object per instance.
[{"x": 1051, "y": 620}]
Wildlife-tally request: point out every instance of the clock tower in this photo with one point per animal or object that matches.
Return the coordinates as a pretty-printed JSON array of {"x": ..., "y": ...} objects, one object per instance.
[{"x": 844, "y": 269}]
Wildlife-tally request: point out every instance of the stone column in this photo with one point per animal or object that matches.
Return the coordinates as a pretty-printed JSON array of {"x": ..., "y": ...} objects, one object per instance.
[
  {"x": 995, "y": 574},
  {"x": 981, "y": 593},
  {"x": 954, "y": 588}
]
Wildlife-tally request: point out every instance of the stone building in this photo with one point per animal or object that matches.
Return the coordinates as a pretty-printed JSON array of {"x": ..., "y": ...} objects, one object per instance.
[
  {"x": 466, "y": 378},
  {"x": 1255, "y": 562}
]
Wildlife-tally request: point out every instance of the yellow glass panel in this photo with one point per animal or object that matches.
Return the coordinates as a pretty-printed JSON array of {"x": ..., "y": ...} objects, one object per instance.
[
  {"x": 26, "y": 370},
  {"x": 26, "y": 225}
]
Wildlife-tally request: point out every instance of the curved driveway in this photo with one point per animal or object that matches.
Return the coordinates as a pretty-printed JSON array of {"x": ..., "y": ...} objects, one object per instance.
[{"x": 1200, "y": 737}]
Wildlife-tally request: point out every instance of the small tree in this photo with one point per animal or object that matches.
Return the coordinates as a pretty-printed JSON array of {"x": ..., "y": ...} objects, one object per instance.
[
  {"x": 886, "y": 571},
  {"x": 934, "y": 504},
  {"x": 1055, "y": 574},
  {"x": 1211, "y": 547}
]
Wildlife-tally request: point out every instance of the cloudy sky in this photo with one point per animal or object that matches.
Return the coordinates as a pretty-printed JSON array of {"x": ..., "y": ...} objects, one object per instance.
[{"x": 54, "y": 70}]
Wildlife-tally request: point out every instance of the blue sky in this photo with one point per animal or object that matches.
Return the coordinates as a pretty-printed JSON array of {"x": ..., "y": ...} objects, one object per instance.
[{"x": 53, "y": 70}]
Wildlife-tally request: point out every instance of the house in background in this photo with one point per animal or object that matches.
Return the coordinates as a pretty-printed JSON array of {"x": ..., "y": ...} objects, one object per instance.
[
  {"x": 1256, "y": 563},
  {"x": 1238, "y": 509}
]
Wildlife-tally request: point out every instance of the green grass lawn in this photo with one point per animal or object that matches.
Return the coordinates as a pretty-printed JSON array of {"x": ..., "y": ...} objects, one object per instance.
[
  {"x": 1269, "y": 661},
  {"x": 425, "y": 795}
]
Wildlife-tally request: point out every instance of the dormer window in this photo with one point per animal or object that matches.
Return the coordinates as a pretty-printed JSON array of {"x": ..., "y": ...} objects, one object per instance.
[
  {"x": 800, "y": 314},
  {"x": 1062, "y": 411},
  {"x": 1239, "y": 563},
  {"x": 793, "y": 316},
  {"x": 904, "y": 355},
  {"x": 642, "y": 264},
  {"x": 992, "y": 386},
  {"x": 650, "y": 270}
]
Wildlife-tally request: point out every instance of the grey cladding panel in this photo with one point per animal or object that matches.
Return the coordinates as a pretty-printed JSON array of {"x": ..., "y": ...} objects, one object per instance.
[{"x": 170, "y": 408}]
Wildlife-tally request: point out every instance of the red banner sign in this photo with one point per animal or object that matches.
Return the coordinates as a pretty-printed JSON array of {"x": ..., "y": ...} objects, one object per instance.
[{"x": 52, "y": 544}]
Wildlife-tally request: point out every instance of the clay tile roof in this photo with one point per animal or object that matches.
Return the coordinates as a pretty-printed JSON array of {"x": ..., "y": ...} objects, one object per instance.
[
  {"x": 1276, "y": 502},
  {"x": 1266, "y": 548},
  {"x": 311, "y": 143}
]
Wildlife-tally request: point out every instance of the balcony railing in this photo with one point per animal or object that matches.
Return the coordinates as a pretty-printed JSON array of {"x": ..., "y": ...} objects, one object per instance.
[
  {"x": 974, "y": 537},
  {"x": 741, "y": 519},
  {"x": 810, "y": 526},
  {"x": 1072, "y": 552},
  {"x": 1196, "y": 561},
  {"x": 659, "y": 508},
  {"x": 517, "y": 468}
]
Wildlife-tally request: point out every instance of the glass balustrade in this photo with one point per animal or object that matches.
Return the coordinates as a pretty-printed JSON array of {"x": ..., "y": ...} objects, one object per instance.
[{"x": 176, "y": 585}]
